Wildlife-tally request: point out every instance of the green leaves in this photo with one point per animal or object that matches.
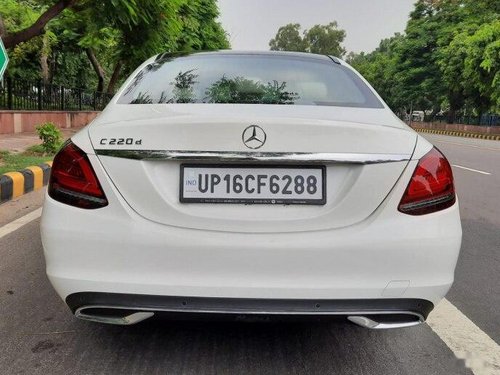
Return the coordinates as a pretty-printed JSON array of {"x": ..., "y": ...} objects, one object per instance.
[
  {"x": 325, "y": 39},
  {"x": 200, "y": 29},
  {"x": 448, "y": 59},
  {"x": 51, "y": 137},
  {"x": 120, "y": 33},
  {"x": 242, "y": 90},
  {"x": 288, "y": 38},
  {"x": 322, "y": 39},
  {"x": 380, "y": 68}
]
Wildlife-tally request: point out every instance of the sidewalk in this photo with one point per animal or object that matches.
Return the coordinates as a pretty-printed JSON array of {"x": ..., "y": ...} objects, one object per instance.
[
  {"x": 21, "y": 141},
  {"x": 21, "y": 173},
  {"x": 491, "y": 137}
]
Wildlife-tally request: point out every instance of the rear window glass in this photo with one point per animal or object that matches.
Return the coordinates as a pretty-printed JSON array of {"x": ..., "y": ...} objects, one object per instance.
[{"x": 248, "y": 79}]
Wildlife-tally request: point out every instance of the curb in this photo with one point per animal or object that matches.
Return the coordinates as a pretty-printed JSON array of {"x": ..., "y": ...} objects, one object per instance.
[
  {"x": 15, "y": 184},
  {"x": 460, "y": 134}
]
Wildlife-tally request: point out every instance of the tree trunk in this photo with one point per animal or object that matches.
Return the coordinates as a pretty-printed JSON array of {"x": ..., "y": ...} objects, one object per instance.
[
  {"x": 12, "y": 40},
  {"x": 53, "y": 66},
  {"x": 97, "y": 68},
  {"x": 114, "y": 78},
  {"x": 450, "y": 118},
  {"x": 44, "y": 60}
]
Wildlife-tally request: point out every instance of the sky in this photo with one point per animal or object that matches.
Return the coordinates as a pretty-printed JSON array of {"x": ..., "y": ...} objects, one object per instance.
[{"x": 252, "y": 23}]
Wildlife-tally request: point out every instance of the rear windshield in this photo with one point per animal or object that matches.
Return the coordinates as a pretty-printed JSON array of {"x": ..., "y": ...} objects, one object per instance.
[{"x": 248, "y": 79}]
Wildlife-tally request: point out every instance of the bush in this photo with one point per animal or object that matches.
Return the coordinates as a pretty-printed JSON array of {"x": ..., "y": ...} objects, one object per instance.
[{"x": 51, "y": 137}]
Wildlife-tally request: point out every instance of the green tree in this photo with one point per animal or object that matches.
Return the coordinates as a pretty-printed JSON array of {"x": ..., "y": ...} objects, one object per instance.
[
  {"x": 379, "y": 68},
  {"x": 97, "y": 43},
  {"x": 418, "y": 78},
  {"x": 200, "y": 28},
  {"x": 321, "y": 39},
  {"x": 447, "y": 59},
  {"x": 16, "y": 16},
  {"x": 471, "y": 67},
  {"x": 288, "y": 38},
  {"x": 325, "y": 39},
  {"x": 12, "y": 38}
]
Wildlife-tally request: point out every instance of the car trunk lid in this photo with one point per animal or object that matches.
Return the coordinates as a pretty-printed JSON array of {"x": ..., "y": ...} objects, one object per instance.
[{"x": 364, "y": 152}]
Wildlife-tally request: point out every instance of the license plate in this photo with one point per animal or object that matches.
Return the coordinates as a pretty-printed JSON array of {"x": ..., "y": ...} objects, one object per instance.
[{"x": 248, "y": 184}]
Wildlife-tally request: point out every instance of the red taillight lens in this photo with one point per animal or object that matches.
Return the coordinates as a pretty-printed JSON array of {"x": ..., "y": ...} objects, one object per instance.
[
  {"x": 431, "y": 187},
  {"x": 73, "y": 180}
]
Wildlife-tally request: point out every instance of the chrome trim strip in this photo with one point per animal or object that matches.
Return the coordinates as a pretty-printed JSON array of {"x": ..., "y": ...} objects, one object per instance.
[
  {"x": 236, "y": 156},
  {"x": 357, "y": 317},
  {"x": 123, "y": 321}
]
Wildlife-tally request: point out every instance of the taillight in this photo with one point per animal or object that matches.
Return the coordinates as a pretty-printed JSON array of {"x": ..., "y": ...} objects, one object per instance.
[
  {"x": 431, "y": 187},
  {"x": 73, "y": 180}
]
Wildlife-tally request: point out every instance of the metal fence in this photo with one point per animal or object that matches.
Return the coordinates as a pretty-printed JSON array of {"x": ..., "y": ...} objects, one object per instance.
[
  {"x": 484, "y": 120},
  {"x": 18, "y": 94},
  {"x": 489, "y": 119}
]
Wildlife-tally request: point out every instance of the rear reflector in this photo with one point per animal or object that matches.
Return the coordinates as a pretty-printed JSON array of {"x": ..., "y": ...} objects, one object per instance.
[
  {"x": 431, "y": 187},
  {"x": 73, "y": 180}
]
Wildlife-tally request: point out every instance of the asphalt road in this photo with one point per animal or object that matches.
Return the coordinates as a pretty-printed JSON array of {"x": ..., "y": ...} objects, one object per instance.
[
  {"x": 38, "y": 335},
  {"x": 476, "y": 291}
]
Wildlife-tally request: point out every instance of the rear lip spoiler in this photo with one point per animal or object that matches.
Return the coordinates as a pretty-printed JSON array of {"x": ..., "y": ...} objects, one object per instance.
[{"x": 237, "y": 156}]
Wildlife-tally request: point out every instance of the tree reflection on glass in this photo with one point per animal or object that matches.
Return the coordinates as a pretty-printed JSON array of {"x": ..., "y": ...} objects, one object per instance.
[
  {"x": 142, "y": 98},
  {"x": 241, "y": 90},
  {"x": 275, "y": 93},
  {"x": 183, "y": 91},
  {"x": 153, "y": 67}
]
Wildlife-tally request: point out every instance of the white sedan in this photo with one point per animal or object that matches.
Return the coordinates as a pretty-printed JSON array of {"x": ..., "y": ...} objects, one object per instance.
[{"x": 250, "y": 184}]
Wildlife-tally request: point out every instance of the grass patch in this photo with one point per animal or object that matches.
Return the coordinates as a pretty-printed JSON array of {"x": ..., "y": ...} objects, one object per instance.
[
  {"x": 36, "y": 150},
  {"x": 10, "y": 162}
]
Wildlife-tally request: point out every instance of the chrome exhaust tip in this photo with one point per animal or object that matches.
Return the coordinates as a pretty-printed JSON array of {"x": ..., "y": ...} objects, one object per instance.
[
  {"x": 386, "y": 322},
  {"x": 115, "y": 315}
]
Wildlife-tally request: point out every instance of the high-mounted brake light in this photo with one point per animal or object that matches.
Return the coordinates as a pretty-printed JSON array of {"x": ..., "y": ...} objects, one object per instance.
[
  {"x": 431, "y": 187},
  {"x": 73, "y": 180}
]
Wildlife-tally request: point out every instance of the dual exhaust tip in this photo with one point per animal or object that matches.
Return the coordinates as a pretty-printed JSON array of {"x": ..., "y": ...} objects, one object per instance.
[{"x": 126, "y": 316}]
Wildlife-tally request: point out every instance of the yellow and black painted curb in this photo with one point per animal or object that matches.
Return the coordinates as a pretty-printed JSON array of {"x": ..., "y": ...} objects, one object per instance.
[
  {"x": 15, "y": 184},
  {"x": 492, "y": 137}
]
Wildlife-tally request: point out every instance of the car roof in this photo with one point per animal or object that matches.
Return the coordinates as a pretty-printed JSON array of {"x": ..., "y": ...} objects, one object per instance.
[{"x": 304, "y": 55}]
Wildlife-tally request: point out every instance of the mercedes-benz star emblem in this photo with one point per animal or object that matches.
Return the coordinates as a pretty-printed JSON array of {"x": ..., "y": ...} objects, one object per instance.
[{"x": 254, "y": 137}]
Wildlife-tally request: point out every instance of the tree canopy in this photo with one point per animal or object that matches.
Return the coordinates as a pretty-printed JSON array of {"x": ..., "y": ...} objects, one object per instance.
[
  {"x": 90, "y": 43},
  {"x": 322, "y": 39},
  {"x": 448, "y": 59}
]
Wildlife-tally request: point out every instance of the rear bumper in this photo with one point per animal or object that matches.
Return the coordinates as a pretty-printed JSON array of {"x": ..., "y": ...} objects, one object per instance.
[
  {"x": 114, "y": 250},
  {"x": 124, "y": 253},
  {"x": 128, "y": 309}
]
